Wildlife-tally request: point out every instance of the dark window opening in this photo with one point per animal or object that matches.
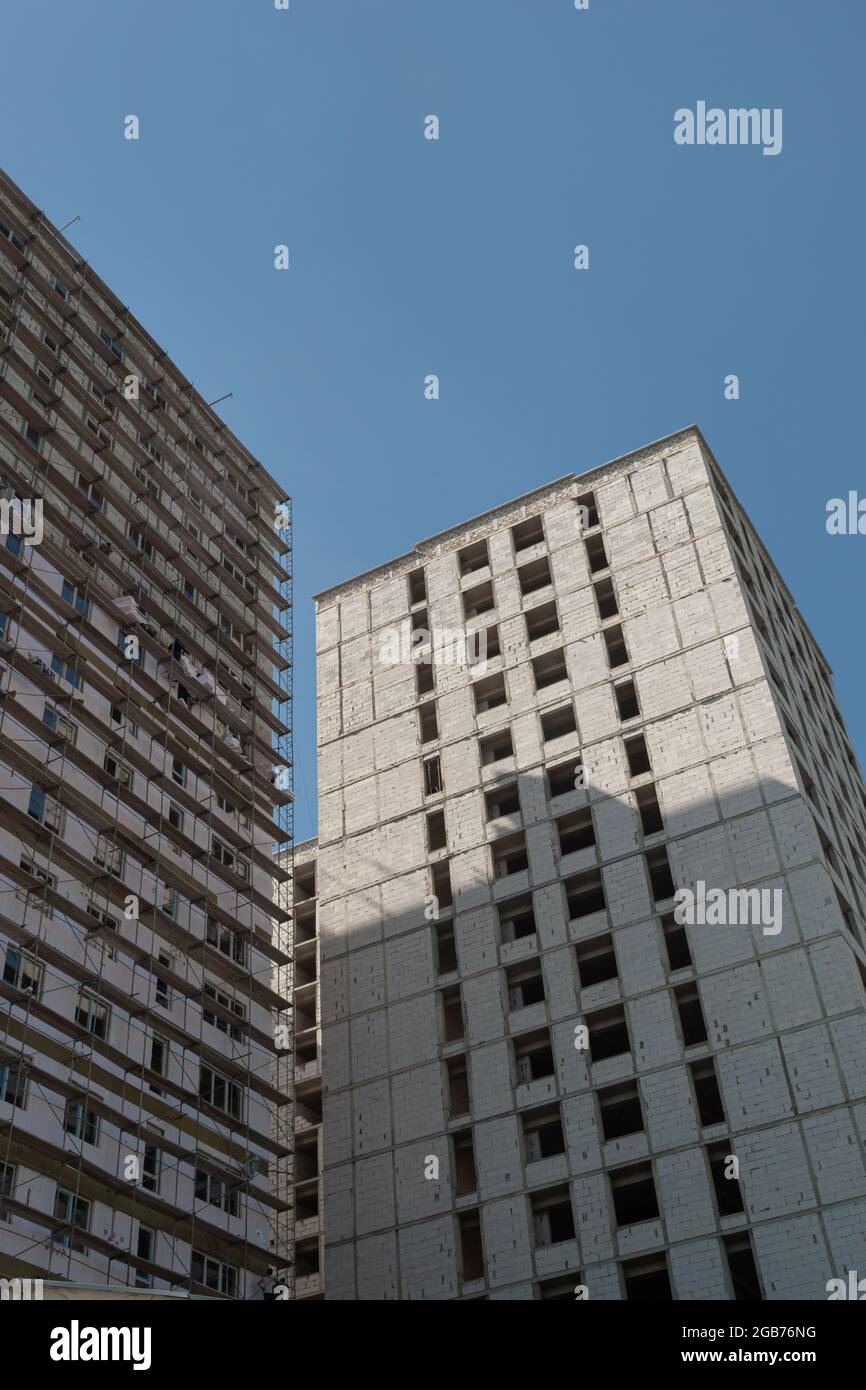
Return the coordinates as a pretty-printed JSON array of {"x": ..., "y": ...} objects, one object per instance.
[
  {"x": 496, "y": 747},
  {"x": 743, "y": 1270},
  {"x": 617, "y": 651},
  {"x": 711, "y": 1109},
  {"x": 533, "y": 1056},
  {"x": 432, "y": 776},
  {"x": 676, "y": 943},
  {"x": 442, "y": 885},
  {"x": 427, "y": 722},
  {"x": 647, "y": 1281},
  {"x": 584, "y": 894},
  {"x": 649, "y": 810},
  {"x": 452, "y": 1013},
  {"x": 576, "y": 830},
  {"x": 596, "y": 961},
  {"x": 541, "y": 621},
  {"x": 525, "y": 985},
  {"x": 543, "y": 1135},
  {"x": 626, "y": 700},
  {"x": 436, "y": 830},
  {"x": 509, "y": 855},
  {"x": 549, "y": 669},
  {"x": 516, "y": 919},
  {"x": 691, "y": 1014},
  {"x": 536, "y": 575},
  {"x": 552, "y": 1217},
  {"x": 504, "y": 801},
  {"x": 605, "y": 599},
  {"x": 471, "y": 1247},
  {"x": 596, "y": 554},
  {"x": 489, "y": 693},
  {"x": 557, "y": 723},
  {"x": 446, "y": 948},
  {"x": 590, "y": 512},
  {"x": 621, "y": 1112},
  {"x": 465, "y": 1179},
  {"x": 417, "y": 587},
  {"x": 660, "y": 874},
  {"x": 473, "y": 557},
  {"x": 634, "y": 1194},
  {"x": 458, "y": 1087},
  {"x": 527, "y": 533},
  {"x": 729, "y": 1198},
  {"x": 608, "y": 1034}
]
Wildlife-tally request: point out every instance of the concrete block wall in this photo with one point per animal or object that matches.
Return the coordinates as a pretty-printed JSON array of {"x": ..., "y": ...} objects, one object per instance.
[{"x": 757, "y": 788}]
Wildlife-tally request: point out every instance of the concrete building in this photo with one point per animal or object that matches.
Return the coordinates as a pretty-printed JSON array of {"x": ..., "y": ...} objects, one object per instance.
[
  {"x": 537, "y": 1079},
  {"x": 145, "y": 742}
]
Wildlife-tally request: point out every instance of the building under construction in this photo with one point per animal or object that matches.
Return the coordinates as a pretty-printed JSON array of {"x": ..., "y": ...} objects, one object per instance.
[{"x": 145, "y": 742}]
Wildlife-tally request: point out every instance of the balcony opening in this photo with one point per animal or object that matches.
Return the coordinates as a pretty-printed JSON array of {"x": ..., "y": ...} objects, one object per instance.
[
  {"x": 584, "y": 894},
  {"x": 691, "y": 1014},
  {"x": 489, "y": 693},
  {"x": 596, "y": 961},
  {"x": 533, "y": 1057},
  {"x": 478, "y": 600},
  {"x": 503, "y": 801},
  {"x": 525, "y": 985},
  {"x": 647, "y": 1280},
  {"x": 549, "y": 669},
  {"x": 649, "y": 810},
  {"x": 425, "y": 682},
  {"x": 527, "y": 533},
  {"x": 516, "y": 919},
  {"x": 508, "y": 854},
  {"x": 542, "y": 621},
  {"x": 608, "y": 1034},
  {"x": 564, "y": 778},
  {"x": 534, "y": 576},
  {"x": 495, "y": 747},
  {"x": 575, "y": 831},
  {"x": 552, "y": 1217},
  {"x": 543, "y": 1135},
  {"x": 472, "y": 558},
  {"x": 621, "y": 1112},
  {"x": 634, "y": 1194},
  {"x": 558, "y": 722}
]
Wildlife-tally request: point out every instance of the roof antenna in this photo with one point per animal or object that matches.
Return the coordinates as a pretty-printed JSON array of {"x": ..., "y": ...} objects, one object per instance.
[{"x": 77, "y": 218}]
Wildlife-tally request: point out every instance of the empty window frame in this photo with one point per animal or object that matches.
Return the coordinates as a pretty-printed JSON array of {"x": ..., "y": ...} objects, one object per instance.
[
  {"x": 608, "y": 1034},
  {"x": 516, "y": 919},
  {"x": 676, "y": 943},
  {"x": 428, "y": 724},
  {"x": 534, "y": 576},
  {"x": 575, "y": 831},
  {"x": 626, "y": 700},
  {"x": 417, "y": 587},
  {"x": 446, "y": 948},
  {"x": 508, "y": 855},
  {"x": 478, "y": 600},
  {"x": 620, "y": 1110},
  {"x": 45, "y": 808},
  {"x": 647, "y": 1280},
  {"x": 496, "y": 747},
  {"x": 452, "y": 1014},
  {"x": 649, "y": 810},
  {"x": 552, "y": 1217},
  {"x": 533, "y": 1056},
  {"x": 441, "y": 879},
  {"x": 432, "y": 776},
  {"x": 22, "y": 973},
  {"x": 472, "y": 558},
  {"x": 524, "y": 985},
  {"x": 711, "y": 1110},
  {"x": 13, "y": 1084},
  {"x": 605, "y": 599},
  {"x": 527, "y": 533},
  {"x": 458, "y": 1087},
  {"x": 489, "y": 693},
  {"x": 425, "y": 682},
  {"x": 584, "y": 894},
  {"x": 691, "y": 1014},
  {"x": 471, "y": 1246},
  {"x": 220, "y": 1092},
  {"x": 742, "y": 1268},
  {"x": 596, "y": 961},
  {"x": 465, "y": 1178},
  {"x": 634, "y": 1194},
  {"x": 558, "y": 722},
  {"x": 729, "y": 1197},
  {"x": 542, "y": 621},
  {"x": 543, "y": 1134},
  {"x": 564, "y": 778},
  {"x": 596, "y": 555},
  {"x": 615, "y": 647},
  {"x": 661, "y": 878},
  {"x": 588, "y": 512},
  {"x": 502, "y": 801},
  {"x": 436, "y": 837},
  {"x": 74, "y": 1213},
  {"x": 91, "y": 1015},
  {"x": 549, "y": 668}
]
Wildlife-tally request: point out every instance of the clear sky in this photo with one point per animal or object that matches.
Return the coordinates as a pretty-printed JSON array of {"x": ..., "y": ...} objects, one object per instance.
[{"x": 409, "y": 256}]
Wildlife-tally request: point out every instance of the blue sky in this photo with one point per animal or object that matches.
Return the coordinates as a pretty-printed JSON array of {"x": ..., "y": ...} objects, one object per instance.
[{"x": 454, "y": 257}]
